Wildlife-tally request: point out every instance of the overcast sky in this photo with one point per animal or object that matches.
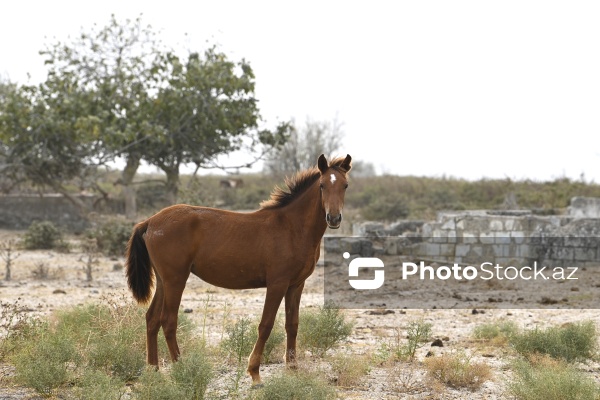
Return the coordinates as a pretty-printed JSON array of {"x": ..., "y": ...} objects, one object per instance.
[{"x": 466, "y": 89}]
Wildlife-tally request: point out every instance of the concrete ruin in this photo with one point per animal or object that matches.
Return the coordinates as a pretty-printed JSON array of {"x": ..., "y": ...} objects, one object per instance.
[{"x": 506, "y": 237}]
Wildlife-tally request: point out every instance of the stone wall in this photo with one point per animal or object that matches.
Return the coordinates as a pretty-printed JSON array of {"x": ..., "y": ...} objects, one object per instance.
[
  {"x": 584, "y": 207},
  {"x": 18, "y": 212},
  {"x": 471, "y": 237}
]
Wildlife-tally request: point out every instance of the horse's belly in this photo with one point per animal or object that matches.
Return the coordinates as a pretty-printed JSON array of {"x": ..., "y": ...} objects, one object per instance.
[{"x": 230, "y": 277}]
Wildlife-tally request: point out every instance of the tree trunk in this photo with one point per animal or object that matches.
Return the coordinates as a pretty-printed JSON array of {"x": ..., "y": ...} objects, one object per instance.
[
  {"x": 172, "y": 186},
  {"x": 128, "y": 190}
]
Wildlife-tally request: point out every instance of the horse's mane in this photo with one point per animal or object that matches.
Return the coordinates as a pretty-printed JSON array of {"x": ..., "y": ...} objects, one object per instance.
[{"x": 297, "y": 184}]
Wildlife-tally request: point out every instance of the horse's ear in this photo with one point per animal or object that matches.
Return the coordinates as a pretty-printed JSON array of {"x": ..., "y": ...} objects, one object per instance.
[
  {"x": 346, "y": 165},
  {"x": 322, "y": 163}
]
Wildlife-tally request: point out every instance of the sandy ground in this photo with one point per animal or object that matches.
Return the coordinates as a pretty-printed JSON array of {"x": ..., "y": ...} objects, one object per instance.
[{"x": 66, "y": 286}]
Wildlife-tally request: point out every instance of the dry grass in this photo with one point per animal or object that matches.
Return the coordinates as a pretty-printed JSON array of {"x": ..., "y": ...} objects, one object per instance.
[
  {"x": 350, "y": 369},
  {"x": 457, "y": 371}
]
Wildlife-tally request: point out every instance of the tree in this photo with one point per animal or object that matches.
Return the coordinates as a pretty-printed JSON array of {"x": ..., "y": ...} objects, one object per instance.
[
  {"x": 48, "y": 140},
  {"x": 305, "y": 145},
  {"x": 116, "y": 92},
  {"x": 113, "y": 63},
  {"x": 207, "y": 109}
]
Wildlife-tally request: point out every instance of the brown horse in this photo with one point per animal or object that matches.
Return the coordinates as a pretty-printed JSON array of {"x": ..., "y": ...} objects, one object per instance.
[{"x": 276, "y": 247}]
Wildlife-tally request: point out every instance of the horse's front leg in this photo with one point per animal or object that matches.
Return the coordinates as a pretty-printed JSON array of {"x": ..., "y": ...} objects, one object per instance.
[
  {"x": 275, "y": 293},
  {"x": 292, "y": 306}
]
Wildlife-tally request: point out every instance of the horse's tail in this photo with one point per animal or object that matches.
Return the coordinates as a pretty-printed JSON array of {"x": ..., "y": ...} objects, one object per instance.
[{"x": 138, "y": 266}]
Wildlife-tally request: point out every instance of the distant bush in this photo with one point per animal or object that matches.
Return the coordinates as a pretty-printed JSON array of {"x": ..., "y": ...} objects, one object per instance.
[
  {"x": 570, "y": 342},
  {"x": 112, "y": 236},
  {"x": 43, "y": 235}
]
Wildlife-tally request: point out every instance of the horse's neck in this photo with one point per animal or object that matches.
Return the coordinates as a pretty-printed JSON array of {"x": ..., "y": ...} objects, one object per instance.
[{"x": 306, "y": 212}]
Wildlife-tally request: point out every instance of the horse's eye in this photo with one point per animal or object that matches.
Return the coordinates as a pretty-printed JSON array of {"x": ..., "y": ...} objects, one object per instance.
[{"x": 346, "y": 186}]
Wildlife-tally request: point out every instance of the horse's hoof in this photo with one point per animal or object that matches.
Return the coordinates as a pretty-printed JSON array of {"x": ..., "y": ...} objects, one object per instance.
[{"x": 257, "y": 386}]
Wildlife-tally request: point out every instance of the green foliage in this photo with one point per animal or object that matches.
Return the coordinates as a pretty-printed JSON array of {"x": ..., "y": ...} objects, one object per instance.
[
  {"x": 116, "y": 91},
  {"x": 188, "y": 379},
  {"x": 423, "y": 197},
  {"x": 299, "y": 385},
  {"x": 43, "y": 235},
  {"x": 387, "y": 207},
  {"x": 112, "y": 236},
  {"x": 97, "y": 385},
  {"x": 417, "y": 333},
  {"x": 192, "y": 373},
  {"x": 154, "y": 385},
  {"x": 43, "y": 364},
  {"x": 104, "y": 338},
  {"x": 570, "y": 342},
  {"x": 498, "y": 332},
  {"x": 548, "y": 379},
  {"x": 322, "y": 329},
  {"x": 241, "y": 337}
]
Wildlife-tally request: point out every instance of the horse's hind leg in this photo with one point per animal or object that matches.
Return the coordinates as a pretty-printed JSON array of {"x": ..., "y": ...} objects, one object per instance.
[
  {"x": 173, "y": 290},
  {"x": 153, "y": 323}
]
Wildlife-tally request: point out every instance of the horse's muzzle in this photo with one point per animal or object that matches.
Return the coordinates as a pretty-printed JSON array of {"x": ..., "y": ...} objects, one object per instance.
[{"x": 334, "y": 221}]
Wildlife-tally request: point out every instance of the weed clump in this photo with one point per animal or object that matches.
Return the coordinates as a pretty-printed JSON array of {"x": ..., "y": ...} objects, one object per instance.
[
  {"x": 545, "y": 378},
  {"x": 570, "y": 342},
  {"x": 241, "y": 336},
  {"x": 417, "y": 334},
  {"x": 457, "y": 370},
  {"x": 298, "y": 385},
  {"x": 322, "y": 329},
  {"x": 499, "y": 333}
]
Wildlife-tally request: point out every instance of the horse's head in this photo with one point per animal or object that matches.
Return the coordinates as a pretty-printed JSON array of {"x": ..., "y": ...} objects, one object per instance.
[{"x": 333, "y": 183}]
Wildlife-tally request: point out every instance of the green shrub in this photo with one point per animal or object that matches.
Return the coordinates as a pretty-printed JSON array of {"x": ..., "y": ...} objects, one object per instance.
[
  {"x": 43, "y": 364},
  {"x": 322, "y": 329},
  {"x": 386, "y": 207},
  {"x": 417, "y": 333},
  {"x": 192, "y": 373},
  {"x": 241, "y": 337},
  {"x": 154, "y": 385},
  {"x": 17, "y": 328},
  {"x": 571, "y": 342},
  {"x": 97, "y": 385},
  {"x": 548, "y": 379},
  {"x": 112, "y": 236},
  {"x": 96, "y": 348},
  {"x": 298, "y": 385},
  {"x": 43, "y": 235},
  {"x": 497, "y": 332}
]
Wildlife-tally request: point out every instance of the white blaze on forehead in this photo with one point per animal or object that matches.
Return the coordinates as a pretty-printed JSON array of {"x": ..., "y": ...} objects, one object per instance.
[{"x": 332, "y": 178}]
